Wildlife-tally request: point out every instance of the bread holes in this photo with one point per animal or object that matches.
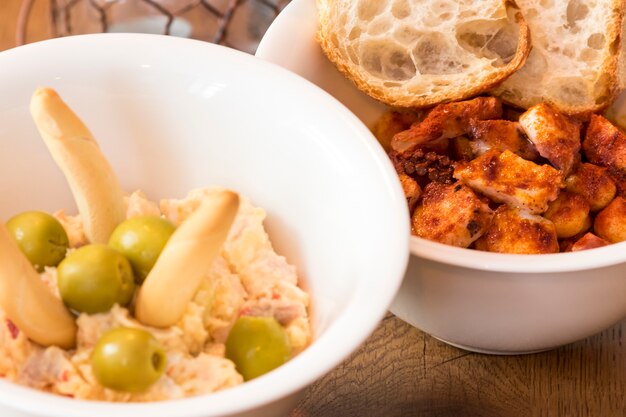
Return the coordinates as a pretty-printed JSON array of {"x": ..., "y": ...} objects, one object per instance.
[
  {"x": 531, "y": 13},
  {"x": 546, "y": 3},
  {"x": 352, "y": 55},
  {"x": 367, "y": 10},
  {"x": 370, "y": 57},
  {"x": 442, "y": 6},
  {"x": 398, "y": 65},
  {"x": 596, "y": 41},
  {"x": 406, "y": 35},
  {"x": 569, "y": 52},
  {"x": 488, "y": 39},
  {"x": 433, "y": 55},
  {"x": 379, "y": 27},
  {"x": 589, "y": 55},
  {"x": 569, "y": 90},
  {"x": 400, "y": 9},
  {"x": 466, "y": 14},
  {"x": 576, "y": 10},
  {"x": 354, "y": 34}
]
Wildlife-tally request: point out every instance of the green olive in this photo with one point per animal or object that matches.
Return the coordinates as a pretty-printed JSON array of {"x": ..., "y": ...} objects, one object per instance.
[
  {"x": 141, "y": 240},
  {"x": 126, "y": 359},
  {"x": 40, "y": 237},
  {"x": 257, "y": 345},
  {"x": 94, "y": 277}
]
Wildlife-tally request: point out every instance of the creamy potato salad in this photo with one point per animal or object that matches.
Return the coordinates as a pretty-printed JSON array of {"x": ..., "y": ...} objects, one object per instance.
[{"x": 200, "y": 353}]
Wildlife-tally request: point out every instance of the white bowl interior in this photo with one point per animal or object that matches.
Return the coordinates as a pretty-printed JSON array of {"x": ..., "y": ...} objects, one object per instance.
[{"x": 172, "y": 115}]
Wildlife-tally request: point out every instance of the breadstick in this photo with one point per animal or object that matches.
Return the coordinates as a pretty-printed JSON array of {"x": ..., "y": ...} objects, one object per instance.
[
  {"x": 94, "y": 185},
  {"x": 28, "y": 302},
  {"x": 185, "y": 259}
]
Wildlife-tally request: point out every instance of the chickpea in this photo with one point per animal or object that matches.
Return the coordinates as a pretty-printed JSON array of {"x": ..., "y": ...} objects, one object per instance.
[
  {"x": 569, "y": 213},
  {"x": 610, "y": 223}
]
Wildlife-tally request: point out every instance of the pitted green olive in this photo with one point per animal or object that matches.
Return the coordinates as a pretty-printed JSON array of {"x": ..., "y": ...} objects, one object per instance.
[
  {"x": 40, "y": 237},
  {"x": 95, "y": 277},
  {"x": 126, "y": 359},
  {"x": 141, "y": 240},
  {"x": 257, "y": 345}
]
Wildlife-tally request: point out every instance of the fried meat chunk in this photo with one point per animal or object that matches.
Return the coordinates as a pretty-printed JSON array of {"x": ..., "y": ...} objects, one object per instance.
[
  {"x": 589, "y": 241},
  {"x": 451, "y": 214},
  {"x": 592, "y": 182},
  {"x": 412, "y": 191},
  {"x": 392, "y": 122},
  {"x": 569, "y": 213},
  {"x": 517, "y": 231},
  {"x": 500, "y": 135},
  {"x": 508, "y": 178},
  {"x": 605, "y": 144},
  {"x": 555, "y": 135},
  {"x": 610, "y": 223},
  {"x": 447, "y": 121}
]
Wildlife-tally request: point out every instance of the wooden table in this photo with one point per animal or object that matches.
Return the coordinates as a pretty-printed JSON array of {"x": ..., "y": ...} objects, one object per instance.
[{"x": 401, "y": 371}]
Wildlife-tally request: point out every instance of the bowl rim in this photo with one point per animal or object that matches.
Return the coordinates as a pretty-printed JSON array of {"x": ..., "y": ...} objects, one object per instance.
[
  {"x": 328, "y": 350},
  {"x": 609, "y": 255}
]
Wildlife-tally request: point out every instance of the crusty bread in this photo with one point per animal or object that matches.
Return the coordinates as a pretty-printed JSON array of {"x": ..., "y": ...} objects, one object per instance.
[
  {"x": 418, "y": 53},
  {"x": 573, "y": 64},
  {"x": 622, "y": 56}
]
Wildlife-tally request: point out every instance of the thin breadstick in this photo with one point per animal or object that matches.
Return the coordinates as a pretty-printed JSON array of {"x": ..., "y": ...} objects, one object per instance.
[
  {"x": 185, "y": 259},
  {"x": 28, "y": 302},
  {"x": 94, "y": 185}
]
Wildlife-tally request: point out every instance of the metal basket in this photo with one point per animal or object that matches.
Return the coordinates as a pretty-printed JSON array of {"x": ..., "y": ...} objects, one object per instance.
[{"x": 236, "y": 23}]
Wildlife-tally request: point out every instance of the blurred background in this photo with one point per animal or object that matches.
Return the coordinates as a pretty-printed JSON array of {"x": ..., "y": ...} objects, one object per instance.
[{"x": 239, "y": 24}]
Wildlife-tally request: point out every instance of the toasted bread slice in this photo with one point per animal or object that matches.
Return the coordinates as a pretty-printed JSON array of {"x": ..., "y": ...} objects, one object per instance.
[
  {"x": 622, "y": 56},
  {"x": 418, "y": 53},
  {"x": 573, "y": 64}
]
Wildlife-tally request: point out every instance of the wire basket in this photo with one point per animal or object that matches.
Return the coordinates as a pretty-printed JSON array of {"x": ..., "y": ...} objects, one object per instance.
[{"x": 239, "y": 24}]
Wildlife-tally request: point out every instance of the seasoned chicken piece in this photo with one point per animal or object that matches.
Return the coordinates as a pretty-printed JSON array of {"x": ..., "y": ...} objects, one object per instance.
[
  {"x": 447, "y": 121},
  {"x": 610, "y": 223},
  {"x": 451, "y": 214},
  {"x": 412, "y": 191},
  {"x": 392, "y": 122},
  {"x": 619, "y": 177},
  {"x": 460, "y": 149},
  {"x": 593, "y": 183},
  {"x": 589, "y": 241},
  {"x": 500, "y": 135},
  {"x": 517, "y": 231},
  {"x": 569, "y": 213},
  {"x": 508, "y": 178},
  {"x": 555, "y": 135},
  {"x": 605, "y": 144}
]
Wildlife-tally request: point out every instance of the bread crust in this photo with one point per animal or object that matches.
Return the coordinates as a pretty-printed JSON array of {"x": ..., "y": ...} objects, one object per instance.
[{"x": 402, "y": 96}]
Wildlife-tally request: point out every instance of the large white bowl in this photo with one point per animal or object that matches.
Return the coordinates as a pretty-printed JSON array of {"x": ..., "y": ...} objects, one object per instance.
[
  {"x": 479, "y": 301},
  {"x": 174, "y": 114}
]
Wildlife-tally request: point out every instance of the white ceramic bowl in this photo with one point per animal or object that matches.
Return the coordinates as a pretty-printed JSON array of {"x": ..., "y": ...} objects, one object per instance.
[
  {"x": 174, "y": 114},
  {"x": 475, "y": 300}
]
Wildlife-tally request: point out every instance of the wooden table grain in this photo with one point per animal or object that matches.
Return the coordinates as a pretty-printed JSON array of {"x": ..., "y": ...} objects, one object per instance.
[{"x": 401, "y": 371}]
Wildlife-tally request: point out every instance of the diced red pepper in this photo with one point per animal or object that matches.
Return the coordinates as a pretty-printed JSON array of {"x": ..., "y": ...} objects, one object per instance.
[{"x": 13, "y": 329}]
